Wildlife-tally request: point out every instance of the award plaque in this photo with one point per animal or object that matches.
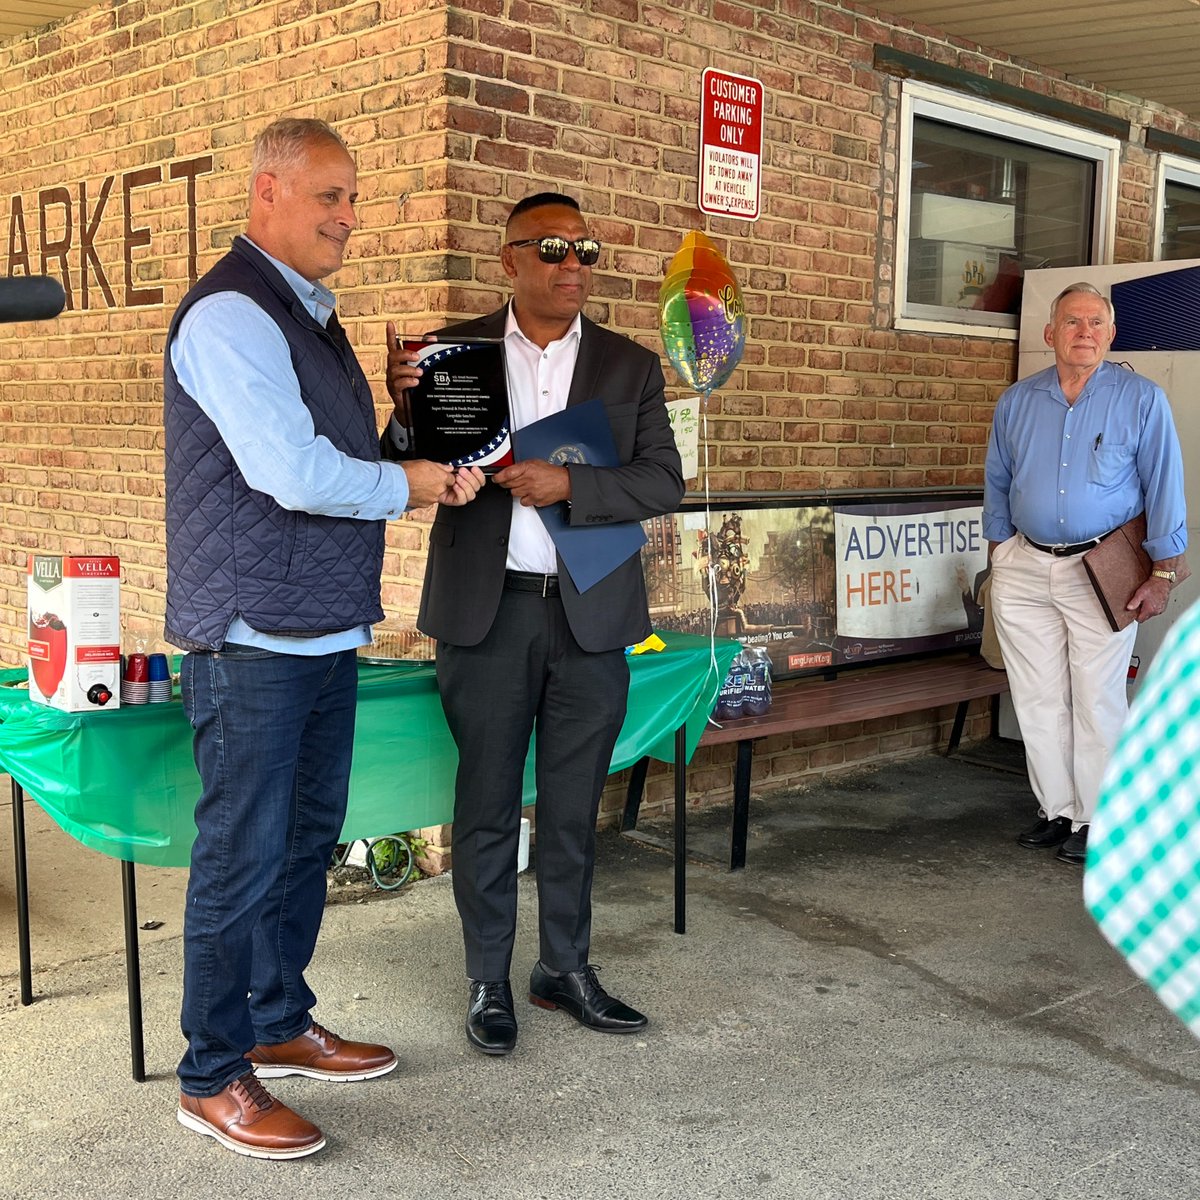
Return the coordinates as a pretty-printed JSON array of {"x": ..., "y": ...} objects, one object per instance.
[{"x": 459, "y": 410}]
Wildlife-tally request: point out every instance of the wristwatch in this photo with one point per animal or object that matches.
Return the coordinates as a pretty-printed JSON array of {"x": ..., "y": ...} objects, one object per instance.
[{"x": 1169, "y": 576}]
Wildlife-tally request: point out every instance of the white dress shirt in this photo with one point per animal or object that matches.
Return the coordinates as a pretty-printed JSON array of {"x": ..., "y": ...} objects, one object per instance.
[{"x": 538, "y": 384}]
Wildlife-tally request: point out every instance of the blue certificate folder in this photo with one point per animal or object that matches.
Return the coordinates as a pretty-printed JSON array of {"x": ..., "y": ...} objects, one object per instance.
[{"x": 580, "y": 434}]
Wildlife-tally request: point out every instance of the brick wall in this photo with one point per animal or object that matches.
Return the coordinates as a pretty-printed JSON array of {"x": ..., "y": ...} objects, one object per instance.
[
  {"x": 123, "y": 150},
  {"x": 123, "y": 158}
]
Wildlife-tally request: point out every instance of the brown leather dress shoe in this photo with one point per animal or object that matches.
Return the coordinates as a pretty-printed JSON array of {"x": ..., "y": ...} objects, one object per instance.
[
  {"x": 320, "y": 1054},
  {"x": 247, "y": 1119}
]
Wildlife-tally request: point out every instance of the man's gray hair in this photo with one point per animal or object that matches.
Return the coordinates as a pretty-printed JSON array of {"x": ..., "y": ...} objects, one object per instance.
[
  {"x": 282, "y": 145},
  {"x": 1085, "y": 289}
]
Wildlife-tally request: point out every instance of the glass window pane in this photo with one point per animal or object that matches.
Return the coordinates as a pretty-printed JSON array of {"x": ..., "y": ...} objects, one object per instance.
[
  {"x": 984, "y": 210},
  {"x": 1181, "y": 221}
]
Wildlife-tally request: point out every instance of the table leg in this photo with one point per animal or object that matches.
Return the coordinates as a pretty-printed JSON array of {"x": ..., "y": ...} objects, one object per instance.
[
  {"x": 133, "y": 974},
  {"x": 633, "y": 794},
  {"x": 960, "y": 719},
  {"x": 21, "y": 870},
  {"x": 681, "y": 829},
  {"x": 741, "y": 804}
]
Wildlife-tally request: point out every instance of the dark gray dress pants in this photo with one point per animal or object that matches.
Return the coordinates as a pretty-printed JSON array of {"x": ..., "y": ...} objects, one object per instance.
[{"x": 528, "y": 675}]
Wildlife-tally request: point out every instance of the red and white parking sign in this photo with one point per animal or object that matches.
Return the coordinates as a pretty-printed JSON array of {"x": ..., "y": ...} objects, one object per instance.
[{"x": 731, "y": 122}]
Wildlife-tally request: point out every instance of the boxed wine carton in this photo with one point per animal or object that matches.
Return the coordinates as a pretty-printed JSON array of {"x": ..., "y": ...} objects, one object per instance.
[{"x": 75, "y": 631}]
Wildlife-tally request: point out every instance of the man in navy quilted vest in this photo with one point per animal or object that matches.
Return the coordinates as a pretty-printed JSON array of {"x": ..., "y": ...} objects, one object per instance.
[{"x": 276, "y": 503}]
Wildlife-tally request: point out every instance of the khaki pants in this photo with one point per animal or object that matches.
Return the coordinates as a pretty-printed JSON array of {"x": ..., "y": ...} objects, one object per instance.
[{"x": 1066, "y": 670}]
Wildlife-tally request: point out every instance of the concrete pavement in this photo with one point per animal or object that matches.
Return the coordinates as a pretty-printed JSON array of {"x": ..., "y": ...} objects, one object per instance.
[{"x": 892, "y": 1001}]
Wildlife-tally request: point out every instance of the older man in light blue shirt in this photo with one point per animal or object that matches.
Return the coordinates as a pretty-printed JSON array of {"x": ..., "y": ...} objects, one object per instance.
[{"x": 1076, "y": 451}]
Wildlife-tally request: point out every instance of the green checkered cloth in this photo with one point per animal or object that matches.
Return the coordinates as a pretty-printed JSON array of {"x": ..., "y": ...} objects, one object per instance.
[{"x": 1142, "y": 882}]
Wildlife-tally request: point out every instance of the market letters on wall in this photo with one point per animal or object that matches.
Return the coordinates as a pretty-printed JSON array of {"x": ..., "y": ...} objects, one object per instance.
[{"x": 57, "y": 231}]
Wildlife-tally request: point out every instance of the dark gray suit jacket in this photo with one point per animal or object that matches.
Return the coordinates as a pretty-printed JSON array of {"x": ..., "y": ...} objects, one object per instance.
[{"x": 464, "y": 575}]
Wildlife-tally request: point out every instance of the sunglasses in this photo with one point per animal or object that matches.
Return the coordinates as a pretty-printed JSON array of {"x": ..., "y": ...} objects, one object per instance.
[{"x": 554, "y": 249}]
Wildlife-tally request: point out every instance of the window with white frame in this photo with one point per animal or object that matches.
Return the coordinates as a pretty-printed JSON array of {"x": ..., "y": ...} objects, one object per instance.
[
  {"x": 988, "y": 192},
  {"x": 1178, "y": 208}
]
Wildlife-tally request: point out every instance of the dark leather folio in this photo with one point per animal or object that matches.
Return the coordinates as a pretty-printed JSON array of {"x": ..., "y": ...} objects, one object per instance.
[{"x": 1119, "y": 566}]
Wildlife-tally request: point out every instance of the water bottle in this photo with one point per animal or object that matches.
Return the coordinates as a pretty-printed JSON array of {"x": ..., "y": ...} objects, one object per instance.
[
  {"x": 758, "y": 686},
  {"x": 733, "y": 691}
]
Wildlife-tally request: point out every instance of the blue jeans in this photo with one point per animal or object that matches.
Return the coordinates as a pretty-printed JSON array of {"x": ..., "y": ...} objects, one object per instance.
[{"x": 274, "y": 737}]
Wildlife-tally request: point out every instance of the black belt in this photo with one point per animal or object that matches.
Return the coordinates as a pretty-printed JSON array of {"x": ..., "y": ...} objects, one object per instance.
[
  {"x": 529, "y": 581},
  {"x": 1064, "y": 551}
]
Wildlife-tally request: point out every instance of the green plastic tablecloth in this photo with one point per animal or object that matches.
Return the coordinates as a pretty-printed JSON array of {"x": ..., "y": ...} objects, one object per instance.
[{"x": 123, "y": 782}]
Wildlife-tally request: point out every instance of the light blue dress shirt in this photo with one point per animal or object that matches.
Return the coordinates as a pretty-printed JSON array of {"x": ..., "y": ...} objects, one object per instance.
[
  {"x": 1063, "y": 473},
  {"x": 235, "y": 362}
]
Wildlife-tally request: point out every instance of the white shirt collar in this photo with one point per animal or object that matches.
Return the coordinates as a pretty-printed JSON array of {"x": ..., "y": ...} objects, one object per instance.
[{"x": 511, "y": 327}]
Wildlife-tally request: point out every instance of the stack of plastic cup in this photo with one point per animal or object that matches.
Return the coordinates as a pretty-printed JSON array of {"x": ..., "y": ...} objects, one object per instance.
[
  {"x": 160, "y": 678},
  {"x": 135, "y": 683}
]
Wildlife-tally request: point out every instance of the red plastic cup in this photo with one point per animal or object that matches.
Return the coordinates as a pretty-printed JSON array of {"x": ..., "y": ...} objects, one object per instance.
[{"x": 137, "y": 669}]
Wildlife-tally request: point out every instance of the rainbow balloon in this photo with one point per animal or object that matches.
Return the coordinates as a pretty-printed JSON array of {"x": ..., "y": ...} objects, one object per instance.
[{"x": 701, "y": 315}]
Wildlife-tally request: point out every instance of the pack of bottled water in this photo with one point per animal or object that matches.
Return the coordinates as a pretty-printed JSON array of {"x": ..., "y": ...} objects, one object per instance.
[{"x": 746, "y": 691}]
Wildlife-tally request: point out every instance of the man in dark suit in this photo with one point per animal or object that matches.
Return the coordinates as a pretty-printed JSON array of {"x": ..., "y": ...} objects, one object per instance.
[{"x": 519, "y": 646}]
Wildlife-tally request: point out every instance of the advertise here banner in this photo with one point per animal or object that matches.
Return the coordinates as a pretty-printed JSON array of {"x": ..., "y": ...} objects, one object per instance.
[{"x": 907, "y": 578}]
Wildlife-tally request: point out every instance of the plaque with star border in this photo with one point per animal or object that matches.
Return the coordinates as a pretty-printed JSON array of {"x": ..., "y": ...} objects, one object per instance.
[{"x": 459, "y": 410}]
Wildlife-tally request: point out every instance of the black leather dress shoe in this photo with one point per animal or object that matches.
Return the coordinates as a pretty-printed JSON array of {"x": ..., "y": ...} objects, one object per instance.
[
  {"x": 1074, "y": 849},
  {"x": 1046, "y": 834},
  {"x": 579, "y": 993},
  {"x": 491, "y": 1022}
]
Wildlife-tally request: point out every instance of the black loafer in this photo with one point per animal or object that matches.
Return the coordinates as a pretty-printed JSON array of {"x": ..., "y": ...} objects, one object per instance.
[
  {"x": 491, "y": 1021},
  {"x": 580, "y": 994},
  {"x": 1046, "y": 834},
  {"x": 1074, "y": 849}
]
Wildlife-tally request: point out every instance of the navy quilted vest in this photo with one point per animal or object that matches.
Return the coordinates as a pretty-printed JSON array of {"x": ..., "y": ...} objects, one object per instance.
[{"x": 234, "y": 551}]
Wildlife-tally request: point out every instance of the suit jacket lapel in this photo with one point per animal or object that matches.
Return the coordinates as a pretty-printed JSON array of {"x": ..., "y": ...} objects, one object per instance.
[
  {"x": 585, "y": 380},
  {"x": 493, "y": 324}
]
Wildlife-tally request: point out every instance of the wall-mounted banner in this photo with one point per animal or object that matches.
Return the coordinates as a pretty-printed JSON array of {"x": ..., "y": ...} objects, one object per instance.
[
  {"x": 907, "y": 578},
  {"x": 821, "y": 587},
  {"x": 772, "y": 574},
  {"x": 731, "y": 125}
]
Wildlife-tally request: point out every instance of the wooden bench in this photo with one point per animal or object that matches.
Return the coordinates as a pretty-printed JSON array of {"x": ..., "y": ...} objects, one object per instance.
[{"x": 858, "y": 694}]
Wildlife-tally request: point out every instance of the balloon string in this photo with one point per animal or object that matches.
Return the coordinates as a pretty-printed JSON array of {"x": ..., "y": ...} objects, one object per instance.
[{"x": 709, "y": 547}]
